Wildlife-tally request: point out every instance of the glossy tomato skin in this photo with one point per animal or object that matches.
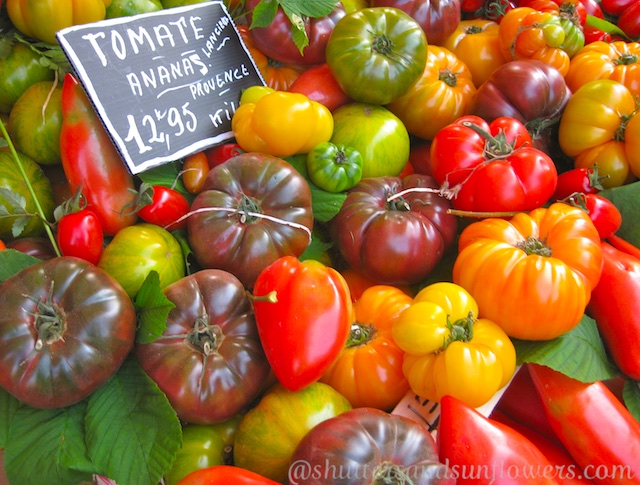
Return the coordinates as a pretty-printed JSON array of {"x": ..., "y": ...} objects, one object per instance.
[
  {"x": 486, "y": 174},
  {"x": 438, "y": 18},
  {"x": 555, "y": 250},
  {"x": 319, "y": 84},
  {"x": 376, "y": 54},
  {"x": 581, "y": 180},
  {"x": 367, "y": 444},
  {"x": 80, "y": 234},
  {"x": 531, "y": 92},
  {"x": 603, "y": 213},
  {"x": 225, "y": 475},
  {"x": 221, "y": 153},
  {"x": 270, "y": 431},
  {"x": 167, "y": 208},
  {"x": 36, "y": 120},
  {"x": 629, "y": 21},
  {"x": 51, "y": 366},
  {"x": 242, "y": 242},
  {"x": 397, "y": 241},
  {"x": 20, "y": 69},
  {"x": 275, "y": 40},
  {"x": 91, "y": 161},
  {"x": 289, "y": 329},
  {"x": 209, "y": 362}
]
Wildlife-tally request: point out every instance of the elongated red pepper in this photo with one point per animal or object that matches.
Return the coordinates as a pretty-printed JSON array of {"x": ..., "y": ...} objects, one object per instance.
[
  {"x": 91, "y": 162},
  {"x": 597, "y": 430},
  {"x": 624, "y": 246},
  {"x": 615, "y": 306}
]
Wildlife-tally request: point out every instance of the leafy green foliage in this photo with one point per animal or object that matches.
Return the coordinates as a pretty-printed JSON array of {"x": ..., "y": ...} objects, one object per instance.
[
  {"x": 15, "y": 205},
  {"x": 296, "y": 11},
  {"x": 606, "y": 26},
  {"x": 152, "y": 308},
  {"x": 626, "y": 199},
  {"x": 12, "y": 261},
  {"x": 47, "y": 443},
  {"x": 8, "y": 407},
  {"x": 132, "y": 432},
  {"x": 579, "y": 353},
  {"x": 167, "y": 175}
]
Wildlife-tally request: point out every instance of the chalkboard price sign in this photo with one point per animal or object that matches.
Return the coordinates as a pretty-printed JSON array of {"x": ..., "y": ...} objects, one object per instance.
[{"x": 166, "y": 83}]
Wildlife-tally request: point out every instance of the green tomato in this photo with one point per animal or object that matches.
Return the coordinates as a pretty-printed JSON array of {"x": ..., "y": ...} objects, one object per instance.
[
  {"x": 12, "y": 180},
  {"x": 35, "y": 122},
  {"x": 126, "y": 8},
  {"x": 380, "y": 136},
  {"x": 270, "y": 432},
  {"x": 377, "y": 53},
  {"x": 19, "y": 69},
  {"x": 137, "y": 250},
  {"x": 334, "y": 168},
  {"x": 203, "y": 445}
]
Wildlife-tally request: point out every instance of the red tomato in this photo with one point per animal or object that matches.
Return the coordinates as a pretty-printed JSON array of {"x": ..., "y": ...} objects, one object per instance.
[
  {"x": 302, "y": 334},
  {"x": 604, "y": 215},
  {"x": 80, "y": 234},
  {"x": 319, "y": 84},
  {"x": 166, "y": 208},
  {"x": 225, "y": 475},
  {"x": 2, "y": 244},
  {"x": 629, "y": 20},
  {"x": 194, "y": 172},
  {"x": 492, "y": 167},
  {"x": 221, "y": 153},
  {"x": 578, "y": 180}
]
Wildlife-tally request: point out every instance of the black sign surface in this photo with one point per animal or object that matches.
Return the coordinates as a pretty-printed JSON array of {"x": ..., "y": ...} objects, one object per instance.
[{"x": 166, "y": 83}]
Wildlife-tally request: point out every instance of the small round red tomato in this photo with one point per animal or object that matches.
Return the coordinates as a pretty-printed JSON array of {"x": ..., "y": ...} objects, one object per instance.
[
  {"x": 80, "y": 234},
  {"x": 580, "y": 180},
  {"x": 165, "y": 207},
  {"x": 603, "y": 213},
  {"x": 56, "y": 315},
  {"x": 221, "y": 153}
]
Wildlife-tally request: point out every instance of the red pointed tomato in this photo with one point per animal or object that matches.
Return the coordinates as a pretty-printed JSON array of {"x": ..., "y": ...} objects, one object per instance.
[
  {"x": 581, "y": 180},
  {"x": 225, "y": 475},
  {"x": 492, "y": 167},
  {"x": 319, "y": 84},
  {"x": 80, "y": 234},
  {"x": 302, "y": 334}
]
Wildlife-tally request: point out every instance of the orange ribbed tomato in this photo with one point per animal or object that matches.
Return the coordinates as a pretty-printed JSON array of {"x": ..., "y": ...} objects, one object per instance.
[
  {"x": 368, "y": 372},
  {"x": 619, "y": 61},
  {"x": 441, "y": 95},
  {"x": 532, "y": 274}
]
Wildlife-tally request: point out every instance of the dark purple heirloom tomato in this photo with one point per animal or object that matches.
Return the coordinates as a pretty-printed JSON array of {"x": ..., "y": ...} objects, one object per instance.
[
  {"x": 393, "y": 230},
  {"x": 253, "y": 209},
  {"x": 66, "y": 326},
  {"x": 209, "y": 361},
  {"x": 367, "y": 445}
]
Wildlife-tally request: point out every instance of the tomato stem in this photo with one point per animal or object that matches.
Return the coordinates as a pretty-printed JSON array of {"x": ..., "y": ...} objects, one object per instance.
[
  {"x": 532, "y": 245},
  {"x": 388, "y": 473},
  {"x": 479, "y": 215},
  {"x": 48, "y": 322},
  {"x": 360, "y": 334},
  {"x": 460, "y": 331},
  {"x": 271, "y": 297}
]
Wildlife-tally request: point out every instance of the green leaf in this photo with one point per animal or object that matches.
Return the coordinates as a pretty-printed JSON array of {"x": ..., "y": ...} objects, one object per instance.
[
  {"x": 305, "y": 8},
  {"x": 298, "y": 30},
  {"x": 132, "y": 431},
  {"x": 153, "y": 309},
  {"x": 8, "y": 407},
  {"x": 16, "y": 202},
  {"x": 579, "y": 353},
  {"x": 13, "y": 261},
  {"x": 606, "y": 26},
  {"x": 627, "y": 199},
  {"x": 316, "y": 249},
  {"x": 264, "y": 13},
  {"x": 48, "y": 443},
  {"x": 631, "y": 397},
  {"x": 167, "y": 175}
]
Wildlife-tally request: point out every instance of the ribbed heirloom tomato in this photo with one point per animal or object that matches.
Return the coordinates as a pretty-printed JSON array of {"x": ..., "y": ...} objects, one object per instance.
[{"x": 532, "y": 274}]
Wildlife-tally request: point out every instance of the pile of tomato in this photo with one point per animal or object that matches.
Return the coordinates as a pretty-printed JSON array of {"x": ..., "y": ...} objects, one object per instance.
[{"x": 417, "y": 261}]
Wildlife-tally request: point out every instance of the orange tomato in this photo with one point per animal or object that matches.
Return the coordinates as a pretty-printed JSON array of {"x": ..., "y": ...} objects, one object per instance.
[
  {"x": 619, "y": 61},
  {"x": 475, "y": 42},
  {"x": 368, "y": 372},
  {"x": 532, "y": 274}
]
